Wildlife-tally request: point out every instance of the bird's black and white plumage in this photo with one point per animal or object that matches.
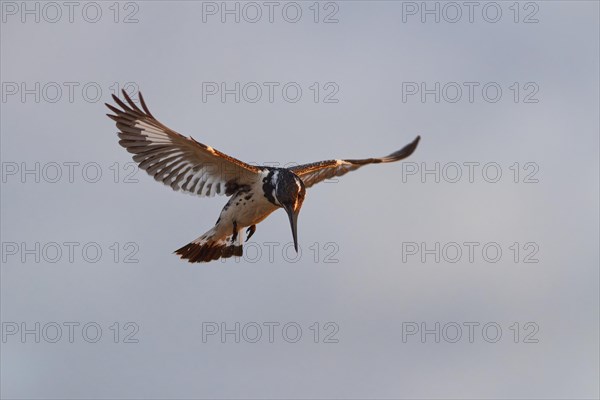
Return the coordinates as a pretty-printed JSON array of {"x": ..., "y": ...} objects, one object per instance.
[{"x": 256, "y": 191}]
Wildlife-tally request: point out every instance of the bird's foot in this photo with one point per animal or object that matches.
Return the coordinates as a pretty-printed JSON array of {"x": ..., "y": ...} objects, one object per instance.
[{"x": 235, "y": 232}]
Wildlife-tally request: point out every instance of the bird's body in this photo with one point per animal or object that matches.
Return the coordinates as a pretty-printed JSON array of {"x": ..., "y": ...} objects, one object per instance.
[
  {"x": 246, "y": 208},
  {"x": 256, "y": 191}
]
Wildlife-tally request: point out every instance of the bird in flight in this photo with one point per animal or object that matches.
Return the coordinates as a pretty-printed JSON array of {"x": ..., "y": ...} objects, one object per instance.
[{"x": 255, "y": 191}]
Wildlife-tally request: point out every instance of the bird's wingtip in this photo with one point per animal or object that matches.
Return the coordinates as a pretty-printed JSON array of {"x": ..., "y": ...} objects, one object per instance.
[{"x": 403, "y": 152}]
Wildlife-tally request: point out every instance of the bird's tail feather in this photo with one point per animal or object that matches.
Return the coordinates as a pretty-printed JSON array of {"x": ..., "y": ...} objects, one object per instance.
[{"x": 208, "y": 248}]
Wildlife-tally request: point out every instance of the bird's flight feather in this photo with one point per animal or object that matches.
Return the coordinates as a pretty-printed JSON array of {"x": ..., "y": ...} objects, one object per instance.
[
  {"x": 177, "y": 161},
  {"x": 319, "y": 171}
]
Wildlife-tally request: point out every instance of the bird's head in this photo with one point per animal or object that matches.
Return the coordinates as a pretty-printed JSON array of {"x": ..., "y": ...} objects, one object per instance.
[{"x": 289, "y": 193}]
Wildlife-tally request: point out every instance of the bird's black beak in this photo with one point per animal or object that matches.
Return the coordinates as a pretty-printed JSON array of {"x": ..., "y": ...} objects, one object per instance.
[{"x": 294, "y": 223}]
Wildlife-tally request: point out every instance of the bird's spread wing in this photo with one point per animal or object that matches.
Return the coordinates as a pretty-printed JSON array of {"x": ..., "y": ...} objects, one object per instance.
[
  {"x": 177, "y": 161},
  {"x": 319, "y": 171}
]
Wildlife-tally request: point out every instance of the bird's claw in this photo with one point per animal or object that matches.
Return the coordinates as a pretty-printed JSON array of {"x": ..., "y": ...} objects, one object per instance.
[{"x": 250, "y": 231}]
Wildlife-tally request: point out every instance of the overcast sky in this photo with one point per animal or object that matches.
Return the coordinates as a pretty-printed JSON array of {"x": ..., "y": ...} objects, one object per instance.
[{"x": 484, "y": 240}]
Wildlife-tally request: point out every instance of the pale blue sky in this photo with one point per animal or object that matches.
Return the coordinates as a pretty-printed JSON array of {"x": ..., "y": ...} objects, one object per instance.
[{"x": 368, "y": 215}]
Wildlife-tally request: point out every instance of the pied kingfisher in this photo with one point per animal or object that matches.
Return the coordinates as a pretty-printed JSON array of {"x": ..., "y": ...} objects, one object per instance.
[{"x": 256, "y": 191}]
